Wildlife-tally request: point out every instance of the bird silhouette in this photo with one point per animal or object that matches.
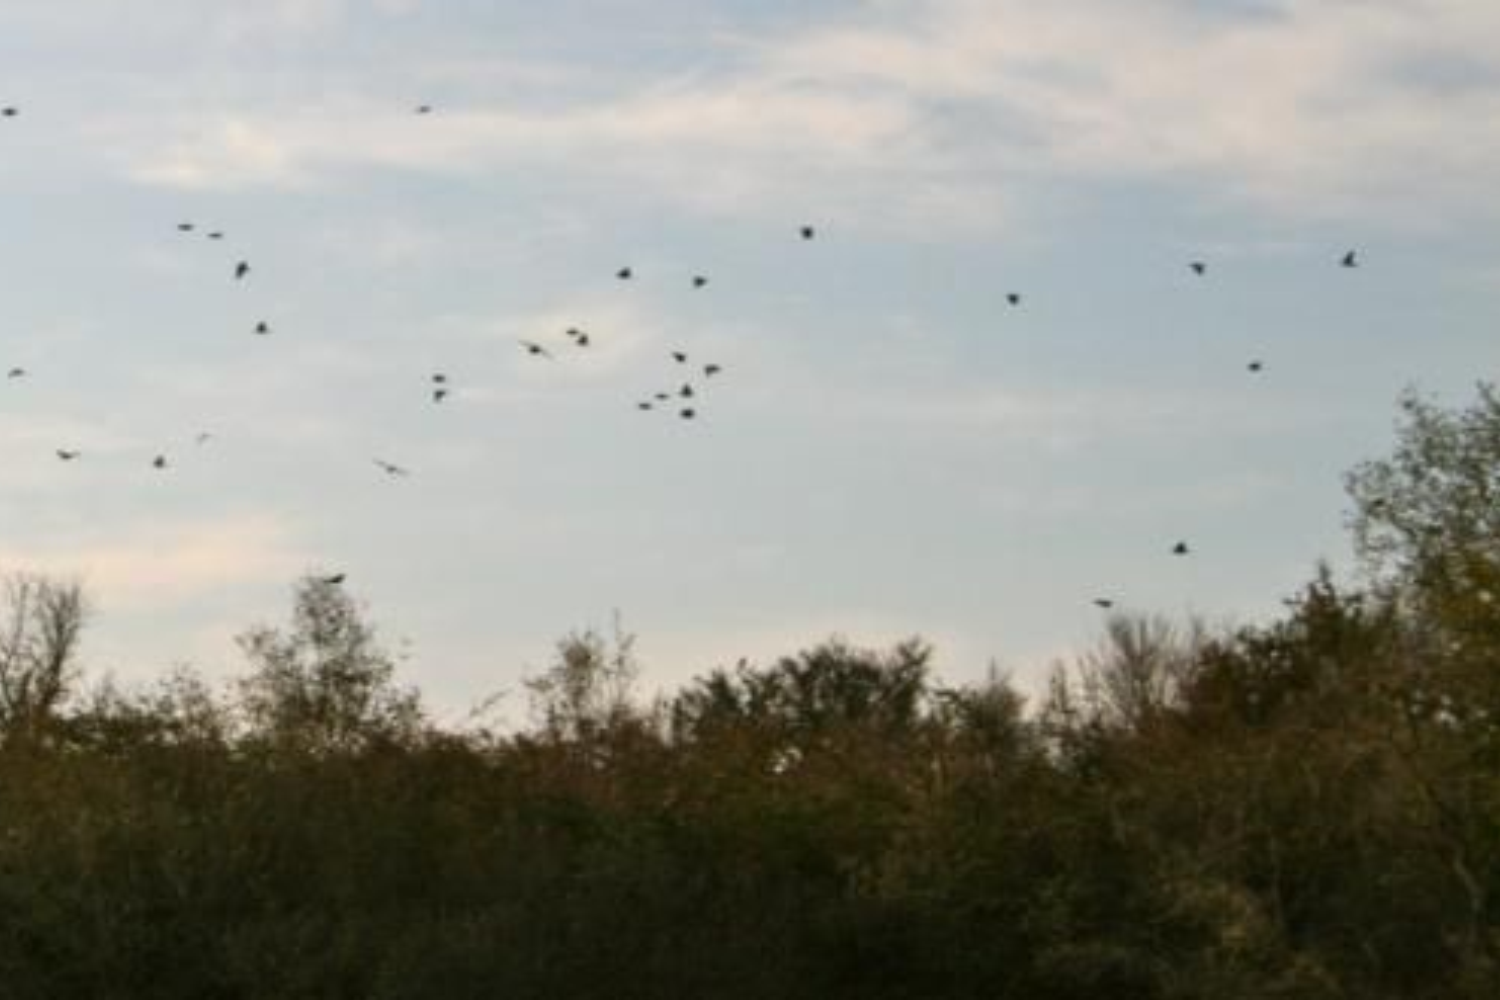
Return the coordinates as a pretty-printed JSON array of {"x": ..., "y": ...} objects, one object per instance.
[
  {"x": 1103, "y": 602},
  {"x": 262, "y": 328},
  {"x": 686, "y": 392},
  {"x": 1199, "y": 267},
  {"x": 1350, "y": 259},
  {"x": 808, "y": 232},
  {"x": 16, "y": 373},
  {"x": 624, "y": 274},
  {"x": 1255, "y": 366},
  {"x": 662, "y": 397},
  {"x": 687, "y": 413},
  {"x": 334, "y": 579},
  {"x": 241, "y": 270},
  {"x": 423, "y": 109},
  {"x": 699, "y": 281},
  {"x": 535, "y": 349},
  {"x": 645, "y": 404},
  {"x": 159, "y": 462},
  {"x": 184, "y": 227},
  {"x": 216, "y": 235},
  {"x": 439, "y": 394},
  {"x": 1014, "y": 298},
  {"x": 579, "y": 337},
  {"x": 709, "y": 371},
  {"x": 204, "y": 437},
  {"x": 680, "y": 357},
  {"x": 10, "y": 112},
  {"x": 390, "y": 468},
  {"x": 1180, "y": 549},
  {"x": 67, "y": 455},
  {"x": 440, "y": 378}
]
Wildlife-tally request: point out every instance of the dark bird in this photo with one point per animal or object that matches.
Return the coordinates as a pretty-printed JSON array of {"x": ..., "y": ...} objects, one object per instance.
[
  {"x": 644, "y": 404},
  {"x": 699, "y": 281},
  {"x": 686, "y": 392},
  {"x": 808, "y": 232},
  {"x": 439, "y": 378},
  {"x": 582, "y": 340},
  {"x": 1103, "y": 602},
  {"x": 390, "y": 468},
  {"x": 687, "y": 414},
  {"x": 624, "y": 274},
  {"x": 1014, "y": 298},
  {"x": 423, "y": 109},
  {"x": 204, "y": 437},
  {"x": 1255, "y": 366},
  {"x": 662, "y": 397},
  {"x": 66, "y": 455},
  {"x": 1199, "y": 267},
  {"x": 262, "y": 328},
  {"x": 184, "y": 227},
  {"x": 216, "y": 235},
  {"x": 439, "y": 394},
  {"x": 333, "y": 580},
  {"x": 1351, "y": 259},
  {"x": 709, "y": 371},
  {"x": 1180, "y": 549},
  {"x": 679, "y": 357},
  {"x": 535, "y": 349},
  {"x": 10, "y": 112},
  {"x": 241, "y": 269},
  {"x": 16, "y": 373},
  {"x": 159, "y": 462}
]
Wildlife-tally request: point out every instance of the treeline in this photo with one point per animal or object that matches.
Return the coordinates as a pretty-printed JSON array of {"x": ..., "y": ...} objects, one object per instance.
[{"x": 1303, "y": 809}]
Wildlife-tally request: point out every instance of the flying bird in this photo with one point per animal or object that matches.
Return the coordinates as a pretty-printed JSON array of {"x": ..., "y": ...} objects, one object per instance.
[
  {"x": 535, "y": 349},
  {"x": 390, "y": 468},
  {"x": 1350, "y": 259},
  {"x": 1103, "y": 602},
  {"x": 699, "y": 281},
  {"x": 1014, "y": 298},
  {"x": 1255, "y": 366},
  {"x": 262, "y": 328},
  {"x": 624, "y": 274},
  {"x": 159, "y": 462},
  {"x": 66, "y": 455},
  {"x": 241, "y": 269},
  {"x": 10, "y": 112},
  {"x": 686, "y": 392},
  {"x": 1199, "y": 267},
  {"x": 334, "y": 580},
  {"x": 439, "y": 394},
  {"x": 679, "y": 357},
  {"x": 687, "y": 413},
  {"x": 1180, "y": 549},
  {"x": 808, "y": 232},
  {"x": 709, "y": 371},
  {"x": 440, "y": 378},
  {"x": 423, "y": 109},
  {"x": 662, "y": 397},
  {"x": 16, "y": 373},
  {"x": 204, "y": 437},
  {"x": 216, "y": 235},
  {"x": 184, "y": 227},
  {"x": 579, "y": 337},
  {"x": 644, "y": 404}
]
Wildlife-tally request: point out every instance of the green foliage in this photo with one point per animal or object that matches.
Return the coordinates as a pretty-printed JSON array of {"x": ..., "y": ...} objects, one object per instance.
[{"x": 1307, "y": 809}]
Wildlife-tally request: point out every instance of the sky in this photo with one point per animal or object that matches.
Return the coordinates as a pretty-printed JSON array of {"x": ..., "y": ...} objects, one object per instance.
[{"x": 891, "y": 448}]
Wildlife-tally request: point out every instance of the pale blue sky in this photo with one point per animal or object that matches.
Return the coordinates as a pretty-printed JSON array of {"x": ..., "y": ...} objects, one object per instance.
[{"x": 891, "y": 449}]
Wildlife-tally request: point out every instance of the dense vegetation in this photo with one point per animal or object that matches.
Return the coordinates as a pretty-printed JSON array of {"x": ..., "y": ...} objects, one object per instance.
[{"x": 1308, "y": 808}]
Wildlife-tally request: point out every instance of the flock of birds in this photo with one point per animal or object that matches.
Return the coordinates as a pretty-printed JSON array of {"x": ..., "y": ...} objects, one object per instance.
[{"x": 683, "y": 397}]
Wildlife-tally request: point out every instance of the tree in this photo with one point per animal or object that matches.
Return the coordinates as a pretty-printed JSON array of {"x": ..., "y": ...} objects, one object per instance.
[
  {"x": 327, "y": 684},
  {"x": 41, "y": 626}
]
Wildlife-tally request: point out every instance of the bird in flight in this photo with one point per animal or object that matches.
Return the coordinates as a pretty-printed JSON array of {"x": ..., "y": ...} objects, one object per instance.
[
  {"x": 10, "y": 112},
  {"x": 1014, "y": 298},
  {"x": 686, "y": 392},
  {"x": 808, "y": 232},
  {"x": 159, "y": 462},
  {"x": 1255, "y": 366},
  {"x": 1199, "y": 267},
  {"x": 262, "y": 328},
  {"x": 535, "y": 349},
  {"x": 390, "y": 468},
  {"x": 624, "y": 274},
  {"x": 16, "y": 373},
  {"x": 1180, "y": 549},
  {"x": 216, "y": 235},
  {"x": 1103, "y": 602},
  {"x": 680, "y": 357},
  {"x": 423, "y": 109},
  {"x": 439, "y": 393},
  {"x": 184, "y": 227},
  {"x": 333, "y": 580},
  {"x": 204, "y": 437},
  {"x": 709, "y": 371},
  {"x": 644, "y": 404},
  {"x": 699, "y": 280},
  {"x": 579, "y": 337},
  {"x": 1350, "y": 259},
  {"x": 241, "y": 269},
  {"x": 67, "y": 455},
  {"x": 688, "y": 413}
]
